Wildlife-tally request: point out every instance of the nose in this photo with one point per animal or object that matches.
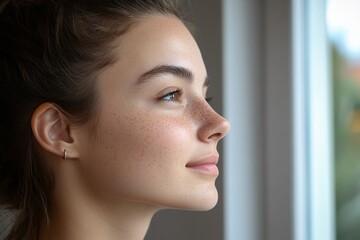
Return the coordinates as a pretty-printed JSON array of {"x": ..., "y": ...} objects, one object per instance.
[{"x": 213, "y": 126}]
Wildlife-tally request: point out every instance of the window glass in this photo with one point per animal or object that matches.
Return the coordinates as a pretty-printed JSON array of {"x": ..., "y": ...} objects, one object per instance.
[{"x": 343, "y": 18}]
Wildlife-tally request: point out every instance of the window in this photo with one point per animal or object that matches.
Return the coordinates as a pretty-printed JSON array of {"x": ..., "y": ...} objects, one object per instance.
[
  {"x": 312, "y": 113},
  {"x": 344, "y": 37}
]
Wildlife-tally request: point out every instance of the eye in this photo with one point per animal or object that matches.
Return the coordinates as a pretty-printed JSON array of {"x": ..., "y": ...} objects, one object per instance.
[{"x": 173, "y": 96}]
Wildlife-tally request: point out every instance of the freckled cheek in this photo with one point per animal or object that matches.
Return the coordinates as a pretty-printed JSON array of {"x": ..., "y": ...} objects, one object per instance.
[
  {"x": 148, "y": 143},
  {"x": 162, "y": 142},
  {"x": 131, "y": 154}
]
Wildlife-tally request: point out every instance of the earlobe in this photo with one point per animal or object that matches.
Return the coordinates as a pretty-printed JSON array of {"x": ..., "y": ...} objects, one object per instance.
[{"x": 52, "y": 130}]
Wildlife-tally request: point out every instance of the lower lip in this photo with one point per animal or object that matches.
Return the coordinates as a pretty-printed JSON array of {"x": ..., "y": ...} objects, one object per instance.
[{"x": 210, "y": 169}]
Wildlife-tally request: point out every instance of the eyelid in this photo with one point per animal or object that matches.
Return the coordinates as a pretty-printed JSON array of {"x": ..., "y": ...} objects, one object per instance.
[{"x": 174, "y": 93}]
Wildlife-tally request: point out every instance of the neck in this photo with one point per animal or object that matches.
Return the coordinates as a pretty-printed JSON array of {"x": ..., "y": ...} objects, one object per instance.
[
  {"x": 79, "y": 213},
  {"x": 128, "y": 221}
]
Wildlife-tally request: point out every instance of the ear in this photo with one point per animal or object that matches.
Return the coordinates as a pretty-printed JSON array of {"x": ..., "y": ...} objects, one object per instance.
[{"x": 51, "y": 128}]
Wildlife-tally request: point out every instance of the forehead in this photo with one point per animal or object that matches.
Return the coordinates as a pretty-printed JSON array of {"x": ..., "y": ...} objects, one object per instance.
[{"x": 160, "y": 40}]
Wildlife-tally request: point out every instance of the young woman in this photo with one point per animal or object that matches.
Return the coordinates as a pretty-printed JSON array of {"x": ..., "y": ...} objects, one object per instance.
[{"x": 104, "y": 118}]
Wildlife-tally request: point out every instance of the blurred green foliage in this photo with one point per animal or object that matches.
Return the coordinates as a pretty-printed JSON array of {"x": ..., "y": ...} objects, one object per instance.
[{"x": 346, "y": 92}]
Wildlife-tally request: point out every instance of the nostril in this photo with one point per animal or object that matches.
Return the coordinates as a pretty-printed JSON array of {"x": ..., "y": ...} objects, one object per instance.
[
  {"x": 214, "y": 129},
  {"x": 223, "y": 128},
  {"x": 216, "y": 136}
]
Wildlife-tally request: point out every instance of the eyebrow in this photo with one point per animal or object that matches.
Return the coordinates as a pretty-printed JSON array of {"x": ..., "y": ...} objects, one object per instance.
[{"x": 177, "y": 71}]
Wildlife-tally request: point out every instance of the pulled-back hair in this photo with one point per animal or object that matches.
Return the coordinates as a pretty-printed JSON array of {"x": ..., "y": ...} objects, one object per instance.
[{"x": 52, "y": 51}]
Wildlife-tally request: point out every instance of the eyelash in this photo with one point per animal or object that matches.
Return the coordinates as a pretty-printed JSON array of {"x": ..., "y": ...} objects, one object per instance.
[{"x": 174, "y": 95}]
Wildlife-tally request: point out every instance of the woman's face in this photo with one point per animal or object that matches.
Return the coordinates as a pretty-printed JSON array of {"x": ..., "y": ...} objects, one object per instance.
[{"x": 156, "y": 137}]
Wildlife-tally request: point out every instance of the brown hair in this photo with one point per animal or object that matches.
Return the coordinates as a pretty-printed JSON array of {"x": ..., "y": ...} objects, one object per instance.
[{"x": 52, "y": 51}]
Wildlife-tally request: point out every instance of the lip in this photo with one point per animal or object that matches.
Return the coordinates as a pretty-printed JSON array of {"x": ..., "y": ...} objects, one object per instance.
[{"x": 206, "y": 165}]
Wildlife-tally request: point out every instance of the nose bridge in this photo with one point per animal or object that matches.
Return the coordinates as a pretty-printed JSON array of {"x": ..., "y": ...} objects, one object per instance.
[{"x": 207, "y": 113}]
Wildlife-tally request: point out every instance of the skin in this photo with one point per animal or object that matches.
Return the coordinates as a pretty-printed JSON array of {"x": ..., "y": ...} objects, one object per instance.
[{"x": 150, "y": 127}]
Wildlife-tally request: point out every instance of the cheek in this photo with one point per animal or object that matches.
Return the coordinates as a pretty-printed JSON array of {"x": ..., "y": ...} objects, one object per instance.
[
  {"x": 135, "y": 153},
  {"x": 149, "y": 139},
  {"x": 167, "y": 138}
]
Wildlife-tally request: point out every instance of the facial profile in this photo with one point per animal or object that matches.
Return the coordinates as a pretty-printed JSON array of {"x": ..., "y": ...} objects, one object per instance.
[
  {"x": 156, "y": 135},
  {"x": 107, "y": 118}
]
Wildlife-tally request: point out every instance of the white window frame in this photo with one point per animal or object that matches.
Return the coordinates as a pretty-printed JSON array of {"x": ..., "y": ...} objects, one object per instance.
[
  {"x": 313, "y": 124},
  {"x": 278, "y": 181}
]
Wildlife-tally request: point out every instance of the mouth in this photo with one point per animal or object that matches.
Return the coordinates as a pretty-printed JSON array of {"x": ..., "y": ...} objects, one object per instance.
[{"x": 206, "y": 165}]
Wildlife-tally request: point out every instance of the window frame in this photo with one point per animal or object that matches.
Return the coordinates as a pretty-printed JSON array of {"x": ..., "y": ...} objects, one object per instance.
[{"x": 278, "y": 180}]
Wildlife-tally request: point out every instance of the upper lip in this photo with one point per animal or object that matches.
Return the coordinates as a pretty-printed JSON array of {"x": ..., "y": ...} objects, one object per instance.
[{"x": 209, "y": 159}]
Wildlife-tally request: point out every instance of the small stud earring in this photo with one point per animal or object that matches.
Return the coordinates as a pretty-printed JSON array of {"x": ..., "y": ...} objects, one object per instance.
[{"x": 65, "y": 154}]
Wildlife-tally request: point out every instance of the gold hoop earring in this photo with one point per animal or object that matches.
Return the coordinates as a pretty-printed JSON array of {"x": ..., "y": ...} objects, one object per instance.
[{"x": 65, "y": 154}]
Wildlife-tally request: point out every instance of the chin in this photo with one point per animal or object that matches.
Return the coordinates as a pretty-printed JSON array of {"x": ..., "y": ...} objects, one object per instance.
[
  {"x": 207, "y": 205},
  {"x": 200, "y": 202}
]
